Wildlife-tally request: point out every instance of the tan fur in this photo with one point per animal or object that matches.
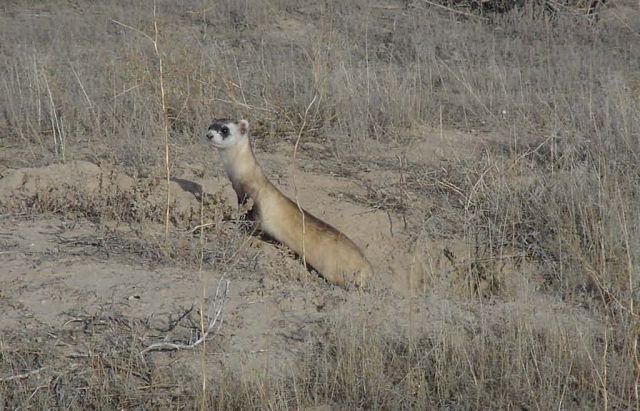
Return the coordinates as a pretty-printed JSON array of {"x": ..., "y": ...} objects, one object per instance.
[{"x": 330, "y": 252}]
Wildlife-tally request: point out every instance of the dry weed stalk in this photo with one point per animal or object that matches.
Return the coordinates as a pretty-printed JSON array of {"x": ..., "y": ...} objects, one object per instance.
[
  {"x": 57, "y": 126},
  {"x": 23, "y": 375},
  {"x": 165, "y": 114},
  {"x": 295, "y": 186},
  {"x": 204, "y": 296},
  {"x": 165, "y": 124}
]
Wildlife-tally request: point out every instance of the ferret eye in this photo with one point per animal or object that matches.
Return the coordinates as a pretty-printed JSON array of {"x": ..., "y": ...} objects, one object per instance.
[{"x": 225, "y": 130}]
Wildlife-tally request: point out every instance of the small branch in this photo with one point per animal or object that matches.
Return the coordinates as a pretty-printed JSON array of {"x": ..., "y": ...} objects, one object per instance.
[
  {"x": 200, "y": 227},
  {"x": 23, "y": 375},
  {"x": 213, "y": 326},
  {"x": 174, "y": 324}
]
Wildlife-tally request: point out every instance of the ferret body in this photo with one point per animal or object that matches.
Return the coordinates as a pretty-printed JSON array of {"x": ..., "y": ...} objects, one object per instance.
[{"x": 336, "y": 258}]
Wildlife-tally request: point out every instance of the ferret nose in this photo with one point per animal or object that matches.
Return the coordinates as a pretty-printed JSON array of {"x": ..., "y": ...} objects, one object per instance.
[{"x": 209, "y": 134}]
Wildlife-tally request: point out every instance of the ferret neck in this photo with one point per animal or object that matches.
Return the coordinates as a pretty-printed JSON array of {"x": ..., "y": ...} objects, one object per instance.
[{"x": 242, "y": 168}]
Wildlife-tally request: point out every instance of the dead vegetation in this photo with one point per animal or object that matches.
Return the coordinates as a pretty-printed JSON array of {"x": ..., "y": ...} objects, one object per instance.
[{"x": 540, "y": 222}]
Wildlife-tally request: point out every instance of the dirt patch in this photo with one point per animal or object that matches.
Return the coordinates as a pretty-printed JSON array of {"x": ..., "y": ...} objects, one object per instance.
[
  {"x": 66, "y": 272},
  {"x": 82, "y": 188},
  {"x": 70, "y": 266}
]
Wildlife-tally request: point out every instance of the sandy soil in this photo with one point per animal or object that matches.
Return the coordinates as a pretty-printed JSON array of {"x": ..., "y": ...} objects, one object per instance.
[{"x": 63, "y": 273}]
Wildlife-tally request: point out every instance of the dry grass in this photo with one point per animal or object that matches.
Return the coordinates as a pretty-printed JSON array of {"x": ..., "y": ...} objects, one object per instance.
[{"x": 559, "y": 193}]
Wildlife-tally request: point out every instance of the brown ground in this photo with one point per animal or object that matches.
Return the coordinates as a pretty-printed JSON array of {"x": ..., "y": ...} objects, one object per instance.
[
  {"x": 59, "y": 267},
  {"x": 66, "y": 274}
]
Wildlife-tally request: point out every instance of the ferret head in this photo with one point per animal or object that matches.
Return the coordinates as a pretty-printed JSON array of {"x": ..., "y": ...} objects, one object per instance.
[{"x": 224, "y": 133}]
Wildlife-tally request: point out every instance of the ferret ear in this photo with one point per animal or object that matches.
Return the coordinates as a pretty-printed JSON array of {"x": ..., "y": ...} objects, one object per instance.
[{"x": 244, "y": 127}]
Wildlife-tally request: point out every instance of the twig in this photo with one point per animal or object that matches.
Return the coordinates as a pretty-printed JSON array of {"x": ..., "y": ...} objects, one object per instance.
[
  {"x": 475, "y": 186},
  {"x": 295, "y": 186},
  {"x": 624, "y": 23},
  {"x": 174, "y": 324},
  {"x": 86, "y": 96},
  {"x": 532, "y": 151},
  {"x": 204, "y": 296},
  {"x": 200, "y": 227},
  {"x": 213, "y": 326},
  {"x": 23, "y": 375}
]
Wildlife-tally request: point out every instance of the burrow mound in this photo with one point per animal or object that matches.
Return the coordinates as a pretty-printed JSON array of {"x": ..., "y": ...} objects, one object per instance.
[{"x": 81, "y": 188}]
